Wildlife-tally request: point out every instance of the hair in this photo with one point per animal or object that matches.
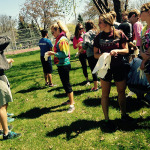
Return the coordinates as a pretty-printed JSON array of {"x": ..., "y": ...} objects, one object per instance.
[
  {"x": 77, "y": 35},
  {"x": 108, "y": 19},
  {"x": 113, "y": 13},
  {"x": 59, "y": 25},
  {"x": 145, "y": 7},
  {"x": 43, "y": 33},
  {"x": 125, "y": 13},
  {"x": 89, "y": 25},
  {"x": 133, "y": 12}
]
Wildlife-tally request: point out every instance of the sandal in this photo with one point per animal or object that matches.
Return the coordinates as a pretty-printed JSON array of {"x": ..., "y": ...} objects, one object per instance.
[{"x": 93, "y": 89}]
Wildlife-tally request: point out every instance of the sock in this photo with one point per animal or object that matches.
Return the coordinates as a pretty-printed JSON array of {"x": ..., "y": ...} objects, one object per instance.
[{"x": 71, "y": 106}]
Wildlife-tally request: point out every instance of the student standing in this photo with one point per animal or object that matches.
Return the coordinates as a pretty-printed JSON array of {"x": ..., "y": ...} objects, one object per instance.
[
  {"x": 114, "y": 42},
  {"x": 77, "y": 43},
  {"x": 45, "y": 46},
  {"x": 5, "y": 93},
  {"x": 61, "y": 58},
  {"x": 88, "y": 41}
]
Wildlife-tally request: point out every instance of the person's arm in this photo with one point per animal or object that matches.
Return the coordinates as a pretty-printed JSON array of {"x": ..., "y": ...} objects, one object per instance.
[
  {"x": 64, "y": 50},
  {"x": 10, "y": 60},
  {"x": 122, "y": 51},
  {"x": 96, "y": 53}
]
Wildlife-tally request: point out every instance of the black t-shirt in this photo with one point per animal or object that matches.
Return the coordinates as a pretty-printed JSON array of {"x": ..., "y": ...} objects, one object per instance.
[
  {"x": 106, "y": 42},
  {"x": 126, "y": 27}
]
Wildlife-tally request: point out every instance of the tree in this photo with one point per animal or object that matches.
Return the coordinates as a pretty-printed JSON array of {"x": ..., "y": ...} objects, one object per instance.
[
  {"x": 21, "y": 23},
  {"x": 6, "y": 23},
  {"x": 91, "y": 11},
  {"x": 105, "y": 6},
  {"x": 41, "y": 12},
  {"x": 80, "y": 20},
  {"x": 136, "y": 4}
]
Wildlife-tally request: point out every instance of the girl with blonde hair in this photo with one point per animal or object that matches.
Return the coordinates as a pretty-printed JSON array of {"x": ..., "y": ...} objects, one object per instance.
[
  {"x": 114, "y": 42},
  {"x": 62, "y": 58}
]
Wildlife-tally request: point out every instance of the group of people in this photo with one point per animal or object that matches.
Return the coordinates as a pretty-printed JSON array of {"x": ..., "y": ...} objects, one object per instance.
[{"x": 115, "y": 39}]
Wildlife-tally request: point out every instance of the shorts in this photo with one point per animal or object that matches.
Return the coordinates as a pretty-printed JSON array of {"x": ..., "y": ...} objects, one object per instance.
[
  {"x": 47, "y": 65},
  {"x": 5, "y": 93},
  {"x": 147, "y": 67},
  {"x": 116, "y": 73}
]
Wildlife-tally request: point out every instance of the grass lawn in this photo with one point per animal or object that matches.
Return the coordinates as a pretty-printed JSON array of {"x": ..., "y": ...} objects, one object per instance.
[{"x": 45, "y": 124}]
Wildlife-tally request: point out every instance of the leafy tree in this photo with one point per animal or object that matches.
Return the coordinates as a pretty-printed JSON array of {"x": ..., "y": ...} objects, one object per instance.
[
  {"x": 22, "y": 24},
  {"x": 80, "y": 20},
  {"x": 6, "y": 23},
  {"x": 41, "y": 12},
  {"x": 91, "y": 11},
  {"x": 104, "y": 6}
]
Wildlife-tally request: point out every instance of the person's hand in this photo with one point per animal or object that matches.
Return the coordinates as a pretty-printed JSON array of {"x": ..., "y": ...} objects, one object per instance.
[
  {"x": 51, "y": 53},
  {"x": 10, "y": 60},
  {"x": 114, "y": 52},
  {"x": 79, "y": 44}
]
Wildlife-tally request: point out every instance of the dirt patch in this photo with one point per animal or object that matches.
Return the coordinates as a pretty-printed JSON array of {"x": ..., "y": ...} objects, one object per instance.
[{"x": 21, "y": 51}]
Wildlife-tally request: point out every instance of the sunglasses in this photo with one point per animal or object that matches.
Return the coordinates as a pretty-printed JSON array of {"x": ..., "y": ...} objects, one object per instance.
[
  {"x": 80, "y": 28},
  {"x": 145, "y": 10}
]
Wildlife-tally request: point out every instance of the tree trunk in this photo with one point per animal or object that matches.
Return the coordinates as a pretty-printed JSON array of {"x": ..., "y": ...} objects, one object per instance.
[
  {"x": 126, "y": 5},
  {"x": 101, "y": 6},
  {"x": 117, "y": 8}
]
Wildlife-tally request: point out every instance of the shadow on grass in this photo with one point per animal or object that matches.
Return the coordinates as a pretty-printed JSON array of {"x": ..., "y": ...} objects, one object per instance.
[
  {"x": 132, "y": 104},
  {"x": 31, "y": 89},
  {"x": 79, "y": 92},
  {"x": 81, "y": 126},
  {"x": 37, "y": 112}
]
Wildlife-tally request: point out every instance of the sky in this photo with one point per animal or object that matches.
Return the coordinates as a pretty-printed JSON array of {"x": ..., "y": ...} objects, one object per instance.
[{"x": 12, "y": 8}]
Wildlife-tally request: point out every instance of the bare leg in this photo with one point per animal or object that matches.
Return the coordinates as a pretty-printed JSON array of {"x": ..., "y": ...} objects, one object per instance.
[
  {"x": 95, "y": 84},
  {"x": 45, "y": 77},
  {"x": 105, "y": 97},
  {"x": 3, "y": 119},
  {"x": 121, "y": 87},
  {"x": 70, "y": 95},
  {"x": 49, "y": 78}
]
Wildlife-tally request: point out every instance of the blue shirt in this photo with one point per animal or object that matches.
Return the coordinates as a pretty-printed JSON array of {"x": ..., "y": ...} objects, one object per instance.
[{"x": 45, "y": 45}]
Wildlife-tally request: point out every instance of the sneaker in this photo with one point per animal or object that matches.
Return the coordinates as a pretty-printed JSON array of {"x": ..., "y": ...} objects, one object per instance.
[
  {"x": 126, "y": 118},
  {"x": 93, "y": 89},
  {"x": 52, "y": 85},
  {"x": 10, "y": 114},
  {"x": 10, "y": 119},
  {"x": 47, "y": 84},
  {"x": 88, "y": 83},
  {"x": 71, "y": 109},
  {"x": 9, "y": 128},
  {"x": 11, "y": 135}
]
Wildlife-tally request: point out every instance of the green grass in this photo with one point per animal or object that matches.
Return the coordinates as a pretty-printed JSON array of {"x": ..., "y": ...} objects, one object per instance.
[{"x": 44, "y": 123}]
